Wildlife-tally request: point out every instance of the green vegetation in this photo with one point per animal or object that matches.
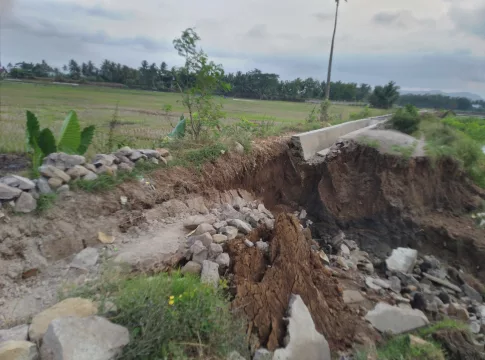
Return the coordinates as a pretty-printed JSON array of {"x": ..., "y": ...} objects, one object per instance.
[
  {"x": 445, "y": 140},
  {"x": 405, "y": 151},
  {"x": 444, "y": 324},
  {"x": 169, "y": 316},
  {"x": 401, "y": 348},
  {"x": 406, "y": 119},
  {"x": 474, "y": 127},
  {"x": 41, "y": 143},
  {"x": 439, "y": 102},
  {"x": 384, "y": 97},
  {"x": 45, "y": 202},
  {"x": 373, "y": 143}
]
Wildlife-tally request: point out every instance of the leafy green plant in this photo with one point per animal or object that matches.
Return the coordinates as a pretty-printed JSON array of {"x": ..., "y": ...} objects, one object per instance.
[
  {"x": 45, "y": 202},
  {"x": 406, "y": 120},
  {"x": 72, "y": 140},
  {"x": 363, "y": 114}
]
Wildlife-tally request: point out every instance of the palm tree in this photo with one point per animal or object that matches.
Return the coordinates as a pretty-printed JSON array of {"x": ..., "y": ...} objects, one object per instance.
[{"x": 329, "y": 71}]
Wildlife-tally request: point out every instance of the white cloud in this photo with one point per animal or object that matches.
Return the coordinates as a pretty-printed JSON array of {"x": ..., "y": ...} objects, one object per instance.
[{"x": 276, "y": 35}]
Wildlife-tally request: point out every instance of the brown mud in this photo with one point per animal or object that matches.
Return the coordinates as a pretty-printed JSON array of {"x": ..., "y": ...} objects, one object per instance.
[{"x": 265, "y": 282}]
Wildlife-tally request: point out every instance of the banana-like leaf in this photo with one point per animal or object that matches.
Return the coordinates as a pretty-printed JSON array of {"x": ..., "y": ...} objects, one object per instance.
[
  {"x": 70, "y": 137},
  {"x": 32, "y": 131},
  {"x": 47, "y": 142},
  {"x": 86, "y": 139}
]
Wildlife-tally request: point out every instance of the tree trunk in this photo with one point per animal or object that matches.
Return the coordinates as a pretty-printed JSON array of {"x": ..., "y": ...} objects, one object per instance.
[{"x": 329, "y": 71}]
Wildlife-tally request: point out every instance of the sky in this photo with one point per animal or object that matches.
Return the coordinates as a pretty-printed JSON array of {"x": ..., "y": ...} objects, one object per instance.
[{"x": 420, "y": 44}]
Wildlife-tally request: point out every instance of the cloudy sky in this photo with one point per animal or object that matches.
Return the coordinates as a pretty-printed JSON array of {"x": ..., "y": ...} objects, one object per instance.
[{"x": 420, "y": 44}]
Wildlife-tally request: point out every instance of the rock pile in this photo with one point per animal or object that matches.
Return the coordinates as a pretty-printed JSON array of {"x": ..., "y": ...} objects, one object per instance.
[
  {"x": 209, "y": 233},
  {"x": 70, "y": 330},
  {"x": 58, "y": 169}
]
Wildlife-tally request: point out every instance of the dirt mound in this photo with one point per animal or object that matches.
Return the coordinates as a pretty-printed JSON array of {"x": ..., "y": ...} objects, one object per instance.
[{"x": 264, "y": 284}]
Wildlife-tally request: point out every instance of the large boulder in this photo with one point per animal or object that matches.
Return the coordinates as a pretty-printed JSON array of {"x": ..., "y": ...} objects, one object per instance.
[
  {"x": 388, "y": 318},
  {"x": 303, "y": 341},
  {"x": 8, "y": 192},
  {"x": 89, "y": 338},
  {"x": 402, "y": 259},
  {"x": 18, "y": 350},
  {"x": 64, "y": 161},
  {"x": 77, "y": 307}
]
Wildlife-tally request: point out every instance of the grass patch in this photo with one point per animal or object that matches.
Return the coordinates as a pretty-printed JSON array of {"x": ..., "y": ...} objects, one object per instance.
[
  {"x": 45, "y": 202},
  {"x": 443, "y": 140},
  {"x": 373, "y": 143},
  {"x": 400, "y": 348},
  {"x": 405, "y": 151},
  {"x": 170, "y": 317},
  {"x": 445, "y": 324}
]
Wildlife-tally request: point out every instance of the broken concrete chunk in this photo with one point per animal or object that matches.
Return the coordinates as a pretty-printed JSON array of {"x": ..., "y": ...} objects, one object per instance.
[
  {"x": 303, "y": 341},
  {"x": 352, "y": 296},
  {"x": 396, "y": 320},
  {"x": 223, "y": 260},
  {"x": 93, "y": 337},
  {"x": 192, "y": 222},
  {"x": 86, "y": 259},
  {"x": 214, "y": 251},
  {"x": 205, "y": 228},
  {"x": 219, "y": 238},
  {"x": 442, "y": 282},
  {"x": 205, "y": 239},
  {"x": 402, "y": 259},
  {"x": 199, "y": 252},
  {"x": 229, "y": 231}
]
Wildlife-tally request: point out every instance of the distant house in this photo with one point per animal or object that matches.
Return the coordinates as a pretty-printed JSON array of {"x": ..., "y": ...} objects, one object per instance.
[{"x": 476, "y": 106}]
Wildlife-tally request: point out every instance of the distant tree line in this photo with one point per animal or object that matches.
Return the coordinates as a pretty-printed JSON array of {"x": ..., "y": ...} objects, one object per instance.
[
  {"x": 440, "y": 102},
  {"x": 253, "y": 84}
]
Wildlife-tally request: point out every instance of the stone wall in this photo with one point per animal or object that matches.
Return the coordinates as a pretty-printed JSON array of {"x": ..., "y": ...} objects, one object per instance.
[{"x": 59, "y": 169}]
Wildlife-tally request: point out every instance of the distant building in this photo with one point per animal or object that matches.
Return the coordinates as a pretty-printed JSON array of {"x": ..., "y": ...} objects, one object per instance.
[{"x": 476, "y": 106}]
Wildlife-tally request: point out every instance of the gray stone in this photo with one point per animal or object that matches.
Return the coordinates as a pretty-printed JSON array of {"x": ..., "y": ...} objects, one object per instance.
[
  {"x": 125, "y": 167},
  {"x": 43, "y": 186},
  {"x": 234, "y": 355},
  {"x": 151, "y": 154},
  {"x": 77, "y": 171},
  {"x": 387, "y": 318},
  {"x": 434, "y": 262},
  {"x": 90, "y": 167},
  {"x": 210, "y": 273},
  {"x": 238, "y": 203},
  {"x": 89, "y": 338},
  {"x": 229, "y": 231},
  {"x": 64, "y": 161},
  {"x": 90, "y": 176},
  {"x": 219, "y": 224},
  {"x": 472, "y": 293},
  {"x": 253, "y": 219},
  {"x": 370, "y": 284},
  {"x": 199, "y": 252},
  {"x": 192, "y": 222},
  {"x": 18, "y": 350},
  {"x": 204, "y": 228},
  {"x": 395, "y": 284},
  {"x": 8, "y": 192},
  {"x": 154, "y": 161},
  {"x": 303, "y": 341},
  {"x": 136, "y": 155},
  {"x": 382, "y": 283},
  {"x": 214, "y": 251},
  {"x": 344, "y": 250},
  {"x": 103, "y": 159},
  {"x": 223, "y": 260},
  {"x": 205, "y": 239},
  {"x": 17, "y": 333},
  {"x": 261, "y": 208},
  {"x": 263, "y": 246},
  {"x": 248, "y": 243},
  {"x": 442, "y": 282},
  {"x": 192, "y": 267},
  {"x": 51, "y": 171},
  {"x": 402, "y": 259},
  {"x": 124, "y": 151},
  {"x": 263, "y": 354},
  {"x": 475, "y": 327},
  {"x": 63, "y": 188},
  {"x": 219, "y": 238},
  {"x": 242, "y": 226},
  {"x": 54, "y": 182},
  {"x": 25, "y": 203},
  {"x": 18, "y": 182},
  {"x": 352, "y": 296},
  {"x": 238, "y": 148},
  {"x": 86, "y": 259}
]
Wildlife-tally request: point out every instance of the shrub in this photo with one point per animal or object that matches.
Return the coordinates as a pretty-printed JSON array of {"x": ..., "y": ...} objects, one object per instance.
[
  {"x": 406, "y": 120},
  {"x": 170, "y": 317}
]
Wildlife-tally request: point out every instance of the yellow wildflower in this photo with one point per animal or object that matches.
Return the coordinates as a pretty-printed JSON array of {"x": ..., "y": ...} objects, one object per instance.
[
  {"x": 172, "y": 297},
  {"x": 170, "y": 302}
]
